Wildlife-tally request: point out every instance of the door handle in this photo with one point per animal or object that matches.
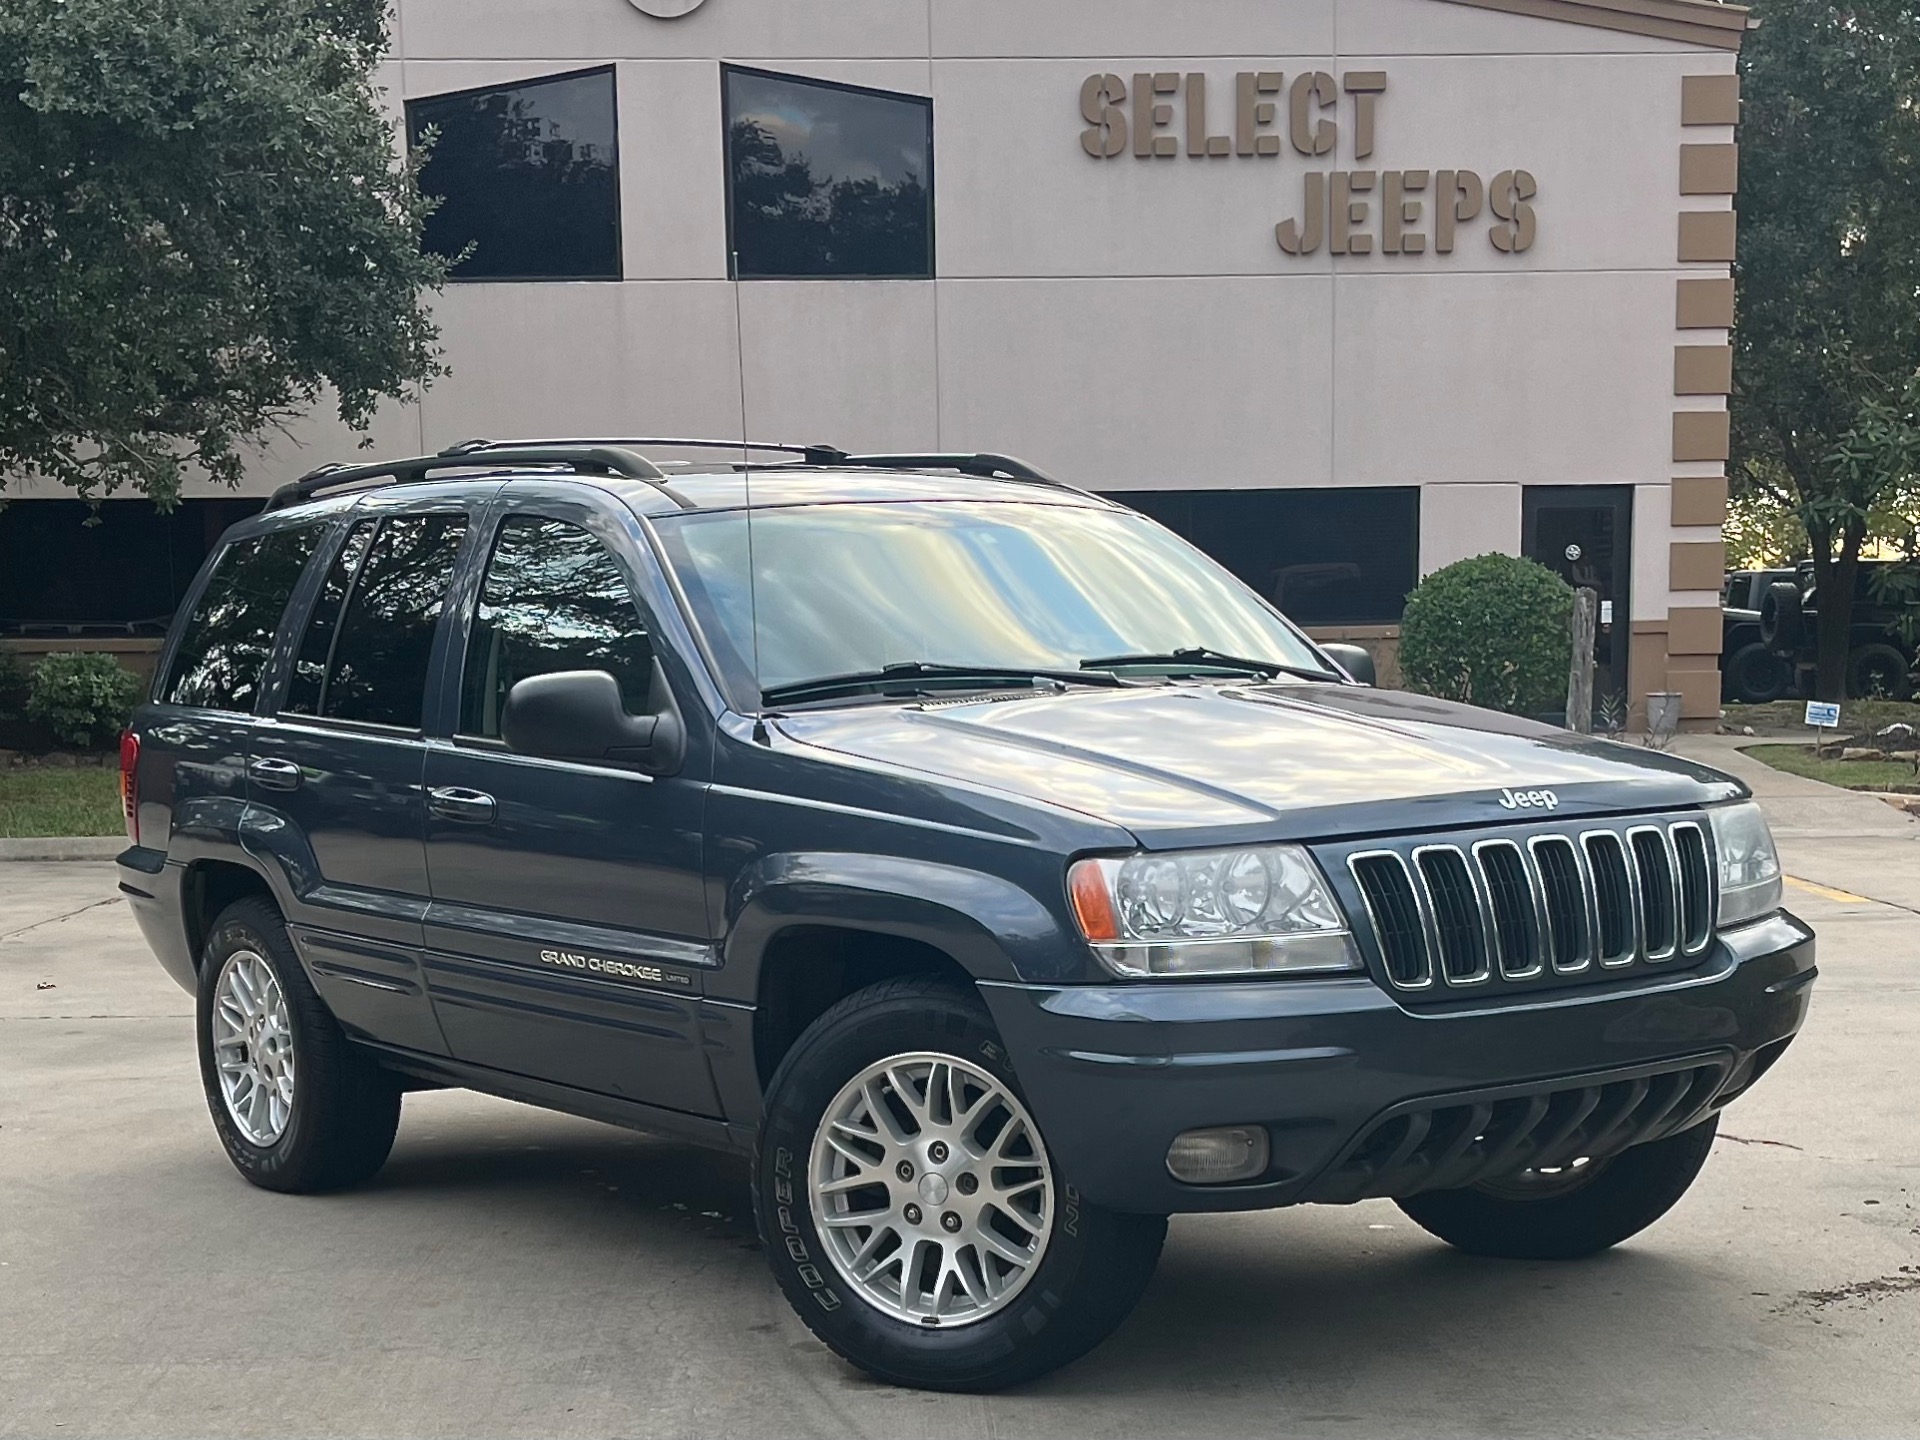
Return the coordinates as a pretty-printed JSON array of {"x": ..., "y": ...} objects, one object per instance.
[
  {"x": 463, "y": 807},
  {"x": 274, "y": 774}
]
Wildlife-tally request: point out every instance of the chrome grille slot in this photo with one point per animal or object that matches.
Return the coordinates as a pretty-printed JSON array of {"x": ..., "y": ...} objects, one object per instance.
[
  {"x": 1698, "y": 902},
  {"x": 1564, "y": 889},
  {"x": 1538, "y": 906},
  {"x": 1459, "y": 924},
  {"x": 1387, "y": 889},
  {"x": 1516, "y": 920},
  {"x": 1613, "y": 898},
  {"x": 1657, "y": 880}
]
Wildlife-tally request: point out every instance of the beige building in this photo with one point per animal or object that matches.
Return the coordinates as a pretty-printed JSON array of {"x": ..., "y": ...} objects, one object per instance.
[{"x": 1344, "y": 289}]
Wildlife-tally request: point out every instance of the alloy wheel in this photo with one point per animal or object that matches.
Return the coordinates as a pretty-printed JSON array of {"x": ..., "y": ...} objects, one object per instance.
[
  {"x": 253, "y": 1047},
  {"x": 932, "y": 1189}
]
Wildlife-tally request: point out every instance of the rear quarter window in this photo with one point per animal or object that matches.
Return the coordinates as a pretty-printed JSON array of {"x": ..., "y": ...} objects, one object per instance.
[{"x": 221, "y": 662}]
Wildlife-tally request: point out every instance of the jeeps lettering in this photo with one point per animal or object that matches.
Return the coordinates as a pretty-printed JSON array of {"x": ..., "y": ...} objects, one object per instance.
[
  {"x": 1529, "y": 800},
  {"x": 618, "y": 969}
]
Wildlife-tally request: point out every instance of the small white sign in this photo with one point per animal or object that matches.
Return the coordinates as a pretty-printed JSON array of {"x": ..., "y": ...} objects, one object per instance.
[
  {"x": 1606, "y": 612},
  {"x": 1823, "y": 715}
]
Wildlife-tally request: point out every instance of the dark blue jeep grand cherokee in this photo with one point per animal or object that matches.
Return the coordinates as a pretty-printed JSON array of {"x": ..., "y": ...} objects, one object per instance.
[{"x": 993, "y": 868}]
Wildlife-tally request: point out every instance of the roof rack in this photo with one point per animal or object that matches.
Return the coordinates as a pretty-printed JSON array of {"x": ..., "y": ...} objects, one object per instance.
[
  {"x": 622, "y": 457},
  {"x": 831, "y": 457},
  {"x": 586, "y": 458}
]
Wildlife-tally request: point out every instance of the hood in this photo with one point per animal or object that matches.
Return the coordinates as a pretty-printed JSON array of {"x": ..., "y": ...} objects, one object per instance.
[{"x": 1179, "y": 764}]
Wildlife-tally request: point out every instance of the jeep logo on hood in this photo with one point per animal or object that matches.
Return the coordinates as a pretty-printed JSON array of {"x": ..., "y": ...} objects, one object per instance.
[{"x": 1529, "y": 800}]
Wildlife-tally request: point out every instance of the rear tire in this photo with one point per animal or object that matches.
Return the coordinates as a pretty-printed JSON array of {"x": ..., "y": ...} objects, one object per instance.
[
  {"x": 1757, "y": 676},
  {"x": 1089, "y": 1265},
  {"x": 1879, "y": 672},
  {"x": 1623, "y": 1196},
  {"x": 334, "y": 1125}
]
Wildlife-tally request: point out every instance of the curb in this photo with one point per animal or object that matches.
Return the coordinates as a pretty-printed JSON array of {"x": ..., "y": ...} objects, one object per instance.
[{"x": 72, "y": 847}]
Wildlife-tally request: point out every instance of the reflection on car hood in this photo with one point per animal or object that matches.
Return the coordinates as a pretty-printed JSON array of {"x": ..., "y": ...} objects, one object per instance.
[{"x": 1284, "y": 760}]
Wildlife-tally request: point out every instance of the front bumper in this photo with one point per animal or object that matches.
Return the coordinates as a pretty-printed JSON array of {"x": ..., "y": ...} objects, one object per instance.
[{"x": 1113, "y": 1073}]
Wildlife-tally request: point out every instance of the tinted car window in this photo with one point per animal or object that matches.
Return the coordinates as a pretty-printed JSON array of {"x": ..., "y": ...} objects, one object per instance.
[
  {"x": 306, "y": 692},
  {"x": 554, "y": 600},
  {"x": 379, "y": 669},
  {"x": 222, "y": 658}
]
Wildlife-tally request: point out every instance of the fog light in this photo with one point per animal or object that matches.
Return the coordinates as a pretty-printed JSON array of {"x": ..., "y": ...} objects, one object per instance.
[{"x": 1219, "y": 1157}]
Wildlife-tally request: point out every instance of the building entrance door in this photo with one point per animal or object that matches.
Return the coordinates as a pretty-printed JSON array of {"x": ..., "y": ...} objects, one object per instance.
[{"x": 1584, "y": 534}]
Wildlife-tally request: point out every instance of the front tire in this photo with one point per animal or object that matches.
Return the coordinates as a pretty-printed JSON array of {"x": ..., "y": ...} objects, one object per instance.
[
  {"x": 1568, "y": 1215},
  {"x": 297, "y": 1108},
  {"x": 910, "y": 1209}
]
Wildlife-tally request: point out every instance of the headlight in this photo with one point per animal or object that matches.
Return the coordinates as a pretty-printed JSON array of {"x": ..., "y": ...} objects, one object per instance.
[
  {"x": 1212, "y": 912},
  {"x": 1749, "y": 865}
]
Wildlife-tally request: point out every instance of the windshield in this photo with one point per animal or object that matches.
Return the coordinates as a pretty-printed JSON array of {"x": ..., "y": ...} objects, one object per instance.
[{"x": 851, "y": 589}]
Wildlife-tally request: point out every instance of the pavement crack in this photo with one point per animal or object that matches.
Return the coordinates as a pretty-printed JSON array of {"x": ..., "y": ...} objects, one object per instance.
[
  {"x": 56, "y": 919},
  {"x": 1743, "y": 1140}
]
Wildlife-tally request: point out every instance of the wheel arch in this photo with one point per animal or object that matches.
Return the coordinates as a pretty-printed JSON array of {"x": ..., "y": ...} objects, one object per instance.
[
  {"x": 208, "y": 888},
  {"x": 807, "y": 930}
]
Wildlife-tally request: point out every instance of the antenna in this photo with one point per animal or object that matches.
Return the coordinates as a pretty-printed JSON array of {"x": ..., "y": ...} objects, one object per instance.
[{"x": 746, "y": 471}]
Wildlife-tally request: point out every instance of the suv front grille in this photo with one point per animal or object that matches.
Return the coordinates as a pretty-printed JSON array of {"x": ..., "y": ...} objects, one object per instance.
[{"x": 1537, "y": 908}]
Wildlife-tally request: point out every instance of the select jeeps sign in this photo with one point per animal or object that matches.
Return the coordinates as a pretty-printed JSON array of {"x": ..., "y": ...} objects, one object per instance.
[{"x": 1166, "y": 115}]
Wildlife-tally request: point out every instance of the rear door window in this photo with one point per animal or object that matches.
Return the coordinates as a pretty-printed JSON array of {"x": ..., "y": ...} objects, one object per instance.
[
  {"x": 222, "y": 660},
  {"x": 364, "y": 656},
  {"x": 554, "y": 599}
]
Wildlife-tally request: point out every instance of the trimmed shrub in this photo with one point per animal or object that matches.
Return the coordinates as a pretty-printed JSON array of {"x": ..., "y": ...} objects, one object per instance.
[
  {"x": 1492, "y": 631},
  {"x": 85, "y": 700},
  {"x": 15, "y": 684}
]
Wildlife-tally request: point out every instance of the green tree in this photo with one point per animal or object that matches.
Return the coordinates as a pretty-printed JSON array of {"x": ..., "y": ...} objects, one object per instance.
[
  {"x": 1828, "y": 336},
  {"x": 205, "y": 230}
]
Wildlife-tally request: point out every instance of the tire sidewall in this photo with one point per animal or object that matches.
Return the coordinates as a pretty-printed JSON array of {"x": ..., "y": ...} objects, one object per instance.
[
  {"x": 234, "y": 933},
  {"x": 807, "y": 1083}
]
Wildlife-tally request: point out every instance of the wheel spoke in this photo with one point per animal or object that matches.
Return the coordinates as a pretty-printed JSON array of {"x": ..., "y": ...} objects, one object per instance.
[
  {"x": 903, "y": 1087},
  {"x": 848, "y": 1152}
]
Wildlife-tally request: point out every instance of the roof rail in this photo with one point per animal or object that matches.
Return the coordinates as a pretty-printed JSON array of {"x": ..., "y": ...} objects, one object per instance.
[
  {"x": 810, "y": 454},
  {"x": 586, "y": 459},
  {"x": 984, "y": 466},
  {"x": 622, "y": 457},
  {"x": 829, "y": 457}
]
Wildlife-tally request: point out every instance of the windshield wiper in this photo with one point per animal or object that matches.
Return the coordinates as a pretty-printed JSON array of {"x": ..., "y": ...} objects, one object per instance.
[
  {"x": 912, "y": 676},
  {"x": 1201, "y": 657}
]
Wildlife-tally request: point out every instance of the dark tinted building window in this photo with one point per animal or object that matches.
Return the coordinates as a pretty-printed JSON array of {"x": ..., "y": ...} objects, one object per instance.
[
  {"x": 377, "y": 672},
  {"x": 554, "y": 600},
  {"x": 222, "y": 659},
  {"x": 306, "y": 691},
  {"x": 125, "y": 574},
  {"x": 528, "y": 175},
  {"x": 1324, "y": 557},
  {"x": 827, "y": 179}
]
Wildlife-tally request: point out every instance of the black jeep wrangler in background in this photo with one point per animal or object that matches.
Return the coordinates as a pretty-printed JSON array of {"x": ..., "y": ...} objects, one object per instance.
[
  {"x": 992, "y": 868},
  {"x": 1770, "y": 629}
]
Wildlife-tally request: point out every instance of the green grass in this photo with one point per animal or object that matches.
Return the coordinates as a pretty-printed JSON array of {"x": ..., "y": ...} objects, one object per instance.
[
  {"x": 1883, "y": 775},
  {"x": 1857, "y": 717},
  {"x": 40, "y": 801}
]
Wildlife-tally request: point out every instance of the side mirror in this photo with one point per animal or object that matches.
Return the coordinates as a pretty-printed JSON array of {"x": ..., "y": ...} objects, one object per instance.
[
  {"x": 1353, "y": 659},
  {"x": 579, "y": 715}
]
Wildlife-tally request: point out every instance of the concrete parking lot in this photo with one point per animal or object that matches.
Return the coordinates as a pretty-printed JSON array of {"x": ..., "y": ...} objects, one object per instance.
[{"x": 515, "y": 1272}]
